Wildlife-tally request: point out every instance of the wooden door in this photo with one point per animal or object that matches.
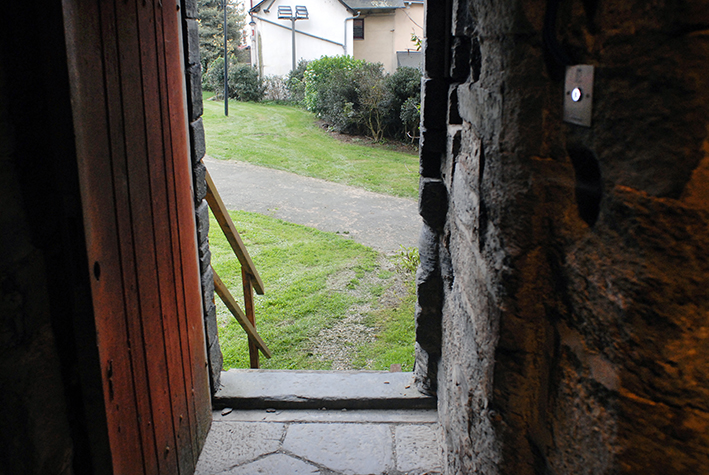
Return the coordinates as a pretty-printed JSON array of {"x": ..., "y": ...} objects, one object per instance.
[{"x": 128, "y": 99}]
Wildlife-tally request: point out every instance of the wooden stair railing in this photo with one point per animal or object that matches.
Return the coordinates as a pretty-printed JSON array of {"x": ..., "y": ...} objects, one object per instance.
[{"x": 249, "y": 276}]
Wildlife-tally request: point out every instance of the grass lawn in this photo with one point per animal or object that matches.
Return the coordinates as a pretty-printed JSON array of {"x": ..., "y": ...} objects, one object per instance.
[
  {"x": 287, "y": 138},
  {"x": 319, "y": 287}
]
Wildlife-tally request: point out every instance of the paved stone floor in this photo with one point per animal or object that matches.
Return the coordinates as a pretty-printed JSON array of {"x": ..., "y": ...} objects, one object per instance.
[{"x": 326, "y": 442}]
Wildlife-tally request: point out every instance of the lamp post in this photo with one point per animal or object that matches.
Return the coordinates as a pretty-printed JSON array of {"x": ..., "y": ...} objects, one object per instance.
[
  {"x": 226, "y": 67},
  {"x": 286, "y": 13}
]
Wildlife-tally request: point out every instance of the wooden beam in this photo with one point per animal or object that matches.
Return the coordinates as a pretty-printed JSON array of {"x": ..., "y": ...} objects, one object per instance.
[
  {"x": 235, "y": 310},
  {"x": 237, "y": 245},
  {"x": 249, "y": 310}
]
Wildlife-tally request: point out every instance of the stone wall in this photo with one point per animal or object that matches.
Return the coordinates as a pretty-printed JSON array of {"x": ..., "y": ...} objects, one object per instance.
[
  {"x": 563, "y": 289},
  {"x": 193, "y": 72}
]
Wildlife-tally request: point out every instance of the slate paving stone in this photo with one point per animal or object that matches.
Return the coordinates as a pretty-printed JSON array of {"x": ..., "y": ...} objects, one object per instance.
[
  {"x": 232, "y": 443},
  {"x": 418, "y": 447},
  {"x": 353, "y": 449},
  {"x": 401, "y": 416},
  {"x": 287, "y": 389},
  {"x": 276, "y": 464}
]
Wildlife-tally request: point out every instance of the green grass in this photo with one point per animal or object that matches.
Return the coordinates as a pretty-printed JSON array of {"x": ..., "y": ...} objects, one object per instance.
[
  {"x": 312, "y": 279},
  {"x": 287, "y": 138}
]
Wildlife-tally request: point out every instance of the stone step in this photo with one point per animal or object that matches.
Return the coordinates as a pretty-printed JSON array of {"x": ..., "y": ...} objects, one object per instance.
[{"x": 286, "y": 389}]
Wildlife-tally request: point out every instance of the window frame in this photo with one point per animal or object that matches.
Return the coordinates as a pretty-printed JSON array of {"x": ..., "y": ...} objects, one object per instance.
[{"x": 357, "y": 23}]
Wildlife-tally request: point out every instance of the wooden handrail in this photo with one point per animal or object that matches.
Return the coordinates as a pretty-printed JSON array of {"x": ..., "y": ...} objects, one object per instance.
[
  {"x": 249, "y": 276},
  {"x": 220, "y": 213},
  {"x": 240, "y": 316}
]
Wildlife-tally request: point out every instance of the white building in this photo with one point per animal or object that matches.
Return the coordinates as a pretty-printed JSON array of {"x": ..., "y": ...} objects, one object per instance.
[{"x": 374, "y": 30}]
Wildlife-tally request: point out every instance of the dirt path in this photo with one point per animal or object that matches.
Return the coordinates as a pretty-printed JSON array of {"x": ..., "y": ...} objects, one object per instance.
[{"x": 379, "y": 221}]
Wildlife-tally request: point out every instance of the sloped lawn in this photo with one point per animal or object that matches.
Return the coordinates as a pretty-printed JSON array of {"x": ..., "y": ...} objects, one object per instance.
[
  {"x": 287, "y": 138},
  {"x": 330, "y": 303}
]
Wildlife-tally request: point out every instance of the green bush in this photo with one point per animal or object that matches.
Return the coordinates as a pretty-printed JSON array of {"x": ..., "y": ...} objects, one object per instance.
[
  {"x": 244, "y": 81},
  {"x": 335, "y": 102},
  {"x": 410, "y": 116},
  {"x": 358, "y": 97},
  {"x": 372, "y": 95},
  {"x": 323, "y": 73},
  {"x": 404, "y": 87},
  {"x": 295, "y": 82},
  {"x": 245, "y": 84}
]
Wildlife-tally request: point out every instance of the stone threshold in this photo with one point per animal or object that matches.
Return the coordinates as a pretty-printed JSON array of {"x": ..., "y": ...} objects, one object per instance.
[{"x": 290, "y": 389}]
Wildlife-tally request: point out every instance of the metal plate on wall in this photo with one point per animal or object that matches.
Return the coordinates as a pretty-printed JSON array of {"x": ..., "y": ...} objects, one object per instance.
[{"x": 578, "y": 95}]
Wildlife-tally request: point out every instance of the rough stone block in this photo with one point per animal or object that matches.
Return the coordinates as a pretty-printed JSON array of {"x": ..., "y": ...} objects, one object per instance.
[
  {"x": 202, "y": 213},
  {"x": 192, "y": 41},
  {"x": 429, "y": 329},
  {"x": 208, "y": 288},
  {"x": 210, "y": 322},
  {"x": 205, "y": 257},
  {"x": 429, "y": 285},
  {"x": 460, "y": 59},
  {"x": 197, "y": 140},
  {"x": 437, "y": 17},
  {"x": 216, "y": 364},
  {"x": 434, "y": 61},
  {"x": 425, "y": 371},
  {"x": 433, "y": 202},
  {"x": 199, "y": 172},
  {"x": 453, "y": 113},
  {"x": 194, "y": 86},
  {"x": 433, "y": 146},
  {"x": 461, "y": 23},
  {"x": 434, "y": 104},
  {"x": 189, "y": 8},
  {"x": 430, "y": 164}
]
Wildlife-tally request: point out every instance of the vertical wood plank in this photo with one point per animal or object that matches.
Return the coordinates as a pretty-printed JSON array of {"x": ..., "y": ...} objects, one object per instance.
[
  {"x": 175, "y": 235},
  {"x": 186, "y": 220},
  {"x": 249, "y": 311},
  {"x": 177, "y": 395},
  {"x": 128, "y": 100},
  {"x": 86, "y": 61},
  {"x": 139, "y": 206},
  {"x": 115, "y": 114}
]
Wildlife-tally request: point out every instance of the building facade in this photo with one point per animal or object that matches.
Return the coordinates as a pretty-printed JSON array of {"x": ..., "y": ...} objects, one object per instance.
[{"x": 375, "y": 31}]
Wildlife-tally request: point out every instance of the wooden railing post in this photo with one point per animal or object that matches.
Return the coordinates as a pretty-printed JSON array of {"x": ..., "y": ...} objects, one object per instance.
[
  {"x": 249, "y": 276},
  {"x": 249, "y": 311},
  {"x": 221, "y": 289}
]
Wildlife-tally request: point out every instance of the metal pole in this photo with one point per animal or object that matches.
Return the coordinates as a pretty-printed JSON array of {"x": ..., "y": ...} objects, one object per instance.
[
  {"x": 226, "y": 67},
  {"x": 293, "y": 45}
]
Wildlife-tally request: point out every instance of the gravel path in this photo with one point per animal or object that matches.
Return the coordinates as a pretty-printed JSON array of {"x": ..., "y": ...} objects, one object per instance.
[{"x": 379, "y": 221}]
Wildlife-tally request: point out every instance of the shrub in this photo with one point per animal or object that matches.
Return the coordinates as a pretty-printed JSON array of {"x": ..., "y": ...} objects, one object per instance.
[
  {"x": 411, "y": 117},
  {"x": 370, "y": 83},
  {"x": 359, "y": 97},
  {"x": 323, "y": 73},
  {"x": 295, "y": 82},
  {"x": 275, "y": 89},
  {"x": 244, "y": 82},
  {"x": 404, "y": 87},
  {"x": 213, "y": 76}
]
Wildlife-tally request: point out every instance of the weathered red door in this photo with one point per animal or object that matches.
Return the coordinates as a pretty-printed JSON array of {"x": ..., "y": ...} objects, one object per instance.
[{"x": 128, "y": 99}]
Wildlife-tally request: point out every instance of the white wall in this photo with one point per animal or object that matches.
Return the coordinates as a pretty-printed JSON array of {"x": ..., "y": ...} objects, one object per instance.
[{"x": 326, "y": 20}]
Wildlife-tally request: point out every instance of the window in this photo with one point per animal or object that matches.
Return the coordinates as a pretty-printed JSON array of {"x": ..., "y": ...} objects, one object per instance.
[{"x": 358, "y": 28}]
